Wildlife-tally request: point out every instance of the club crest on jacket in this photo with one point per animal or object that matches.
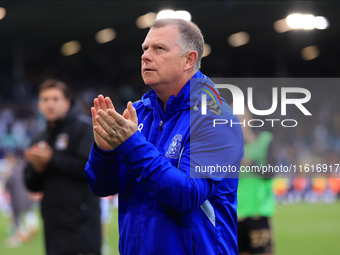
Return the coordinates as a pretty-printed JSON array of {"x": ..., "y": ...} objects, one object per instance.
[
  {"x": 61, "y": 142},
  {"x": 174, "y": 147}
]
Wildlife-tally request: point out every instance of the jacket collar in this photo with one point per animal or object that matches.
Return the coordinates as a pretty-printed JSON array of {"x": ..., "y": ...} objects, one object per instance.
[{"x": 174, "y": 104}]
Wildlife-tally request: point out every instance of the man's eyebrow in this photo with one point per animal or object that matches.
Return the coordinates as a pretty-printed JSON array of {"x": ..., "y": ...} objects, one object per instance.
[
  {"x": 156, "y": 44},
  {"x": 159, "y": 44}
]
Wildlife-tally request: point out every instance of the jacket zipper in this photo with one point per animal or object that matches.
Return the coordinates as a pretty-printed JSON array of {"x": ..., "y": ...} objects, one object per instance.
[{"x": 160, "y": 125}]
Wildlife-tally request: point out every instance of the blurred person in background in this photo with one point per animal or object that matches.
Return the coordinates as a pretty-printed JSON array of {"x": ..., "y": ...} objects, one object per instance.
[
  {"x": 24, "y": 219},
  {"x": 256, "y": 201},
  {"x": 56, "y": 161}
]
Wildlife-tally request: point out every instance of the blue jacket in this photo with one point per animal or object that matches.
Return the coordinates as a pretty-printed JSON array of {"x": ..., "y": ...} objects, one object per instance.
[{"x": 162, "y": 210}]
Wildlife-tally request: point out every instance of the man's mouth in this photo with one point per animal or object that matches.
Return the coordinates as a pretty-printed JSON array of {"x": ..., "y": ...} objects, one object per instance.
[{"x": 148, "y": 70}]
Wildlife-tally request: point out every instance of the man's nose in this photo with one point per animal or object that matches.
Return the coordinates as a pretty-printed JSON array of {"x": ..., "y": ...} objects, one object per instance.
[
  {"x": 50, "y": 103},
  {"x": 146, "y": 56}
]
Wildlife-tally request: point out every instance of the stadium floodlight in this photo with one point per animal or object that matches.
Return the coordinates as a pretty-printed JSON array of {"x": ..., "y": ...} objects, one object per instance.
[
  {"x": 310, "y": 52},
  {"x": 105, "y": 35},
  {"x": 281, "y": 26},
  {"x": 164, "y": 14},
  {"x": 238, "y": 39},
  {"x": 146, "y": 20},
  {"x": 306, "y": 21},
  {"x": 206, "y": 50},
  {"x": 322, "y": 23},
  {"x": 183, "y": 15},
  {"x": 2, "y": 13},
  {"x": 70, "y": 48}
]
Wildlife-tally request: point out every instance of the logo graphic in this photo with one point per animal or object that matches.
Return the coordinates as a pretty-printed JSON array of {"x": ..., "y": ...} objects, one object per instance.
[
  {"x": 61, "y": 142},
  {"x": 174, "y": 147},
  {"x": 214, "y": 108},
  {"x": 282, "y": 97}
]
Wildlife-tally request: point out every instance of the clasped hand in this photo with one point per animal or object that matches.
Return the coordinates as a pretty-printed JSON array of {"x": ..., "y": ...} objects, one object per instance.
[
  {"x": 109, "y": 127},
  {"x": 39, "y": 155}
]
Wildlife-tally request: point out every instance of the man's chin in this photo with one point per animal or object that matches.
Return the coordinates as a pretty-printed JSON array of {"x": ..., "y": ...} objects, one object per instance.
[
  {"x": 51, "y": 118},
  {"x": 149, "y": 82}
]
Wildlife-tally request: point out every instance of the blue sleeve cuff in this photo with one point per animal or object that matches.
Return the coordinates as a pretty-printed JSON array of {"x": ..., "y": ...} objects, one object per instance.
[
  {"x": 130, "y": 144},
  {"x": 101, "y": 153}
]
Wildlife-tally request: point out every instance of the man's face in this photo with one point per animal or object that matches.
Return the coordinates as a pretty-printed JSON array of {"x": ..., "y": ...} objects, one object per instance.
[
  {"x": 162, "y": 63},
  {"x": 53, "y": 104}
]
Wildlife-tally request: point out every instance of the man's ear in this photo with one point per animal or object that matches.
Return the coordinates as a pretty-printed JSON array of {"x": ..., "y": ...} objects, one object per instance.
[{"x": 190, "y": 60}]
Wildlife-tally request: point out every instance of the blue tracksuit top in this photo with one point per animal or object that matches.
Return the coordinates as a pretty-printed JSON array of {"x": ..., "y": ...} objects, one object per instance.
[{"x": 162, "y": 210}]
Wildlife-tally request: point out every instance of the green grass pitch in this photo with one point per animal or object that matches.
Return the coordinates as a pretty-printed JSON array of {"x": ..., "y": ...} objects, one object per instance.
[{"x": 299, "y": 229}]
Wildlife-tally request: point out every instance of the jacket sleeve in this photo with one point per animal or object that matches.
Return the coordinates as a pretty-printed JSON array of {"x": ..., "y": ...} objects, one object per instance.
[
  {"x": 33, "y": 180},
  {"x": 102, "y": 172},
  {"x": 72, "y": 164},
  {"x": 174, "y": 187}
]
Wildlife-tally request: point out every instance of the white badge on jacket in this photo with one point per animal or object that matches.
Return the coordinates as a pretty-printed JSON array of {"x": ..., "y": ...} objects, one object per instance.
[
  {"x": 61, "y": 142},
  {"x": 174, "y": 147}
]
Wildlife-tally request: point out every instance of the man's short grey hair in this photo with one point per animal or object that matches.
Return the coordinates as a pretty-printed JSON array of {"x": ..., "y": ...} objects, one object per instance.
[{"x": 190, "y": 37}]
